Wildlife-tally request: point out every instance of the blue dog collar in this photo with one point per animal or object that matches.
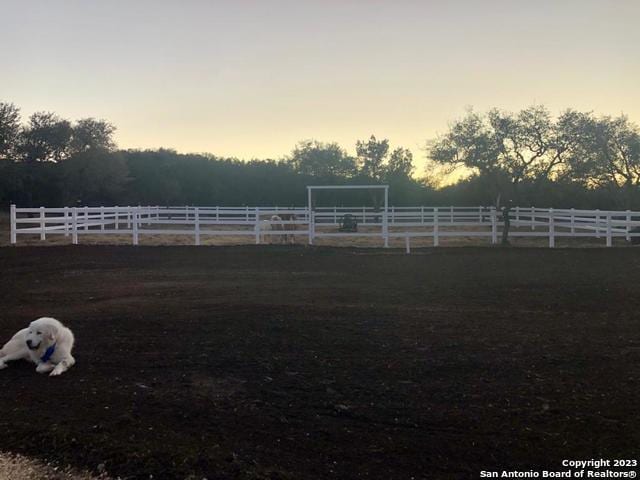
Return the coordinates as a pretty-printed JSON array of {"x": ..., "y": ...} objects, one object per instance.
[{"x": 48, "y": 353}]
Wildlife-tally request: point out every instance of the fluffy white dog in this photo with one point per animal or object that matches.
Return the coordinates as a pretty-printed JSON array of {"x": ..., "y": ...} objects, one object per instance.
[{"x": 46, "y": 342}]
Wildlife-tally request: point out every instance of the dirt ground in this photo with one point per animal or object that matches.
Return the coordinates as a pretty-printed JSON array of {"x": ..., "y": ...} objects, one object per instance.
[{"x": 278, "y": 362}]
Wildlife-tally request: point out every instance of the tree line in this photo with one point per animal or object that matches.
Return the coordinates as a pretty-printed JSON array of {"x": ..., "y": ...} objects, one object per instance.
[
  {"x": 529, "y": 158},
  {"x": 515, "y": 155}
]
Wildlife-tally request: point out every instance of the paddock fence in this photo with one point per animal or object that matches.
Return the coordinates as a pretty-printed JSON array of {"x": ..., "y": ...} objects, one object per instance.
[{"x": 266, "y": 224}]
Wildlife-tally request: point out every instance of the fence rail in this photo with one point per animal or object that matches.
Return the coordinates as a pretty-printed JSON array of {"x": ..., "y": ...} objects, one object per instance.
[{"x": 262, "y": 223}]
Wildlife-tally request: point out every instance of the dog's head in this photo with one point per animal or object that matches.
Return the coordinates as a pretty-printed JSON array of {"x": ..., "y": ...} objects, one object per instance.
[{"x": 41, "y": 333}]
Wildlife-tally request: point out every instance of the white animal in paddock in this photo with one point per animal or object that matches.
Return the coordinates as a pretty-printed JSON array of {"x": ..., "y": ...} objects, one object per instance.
[
  {"x": 267, "y": 226},
  {"x": 277, "y": 225},
  {"x": 263, "y": 226},
  {"x": 46, "y": 342},
  {"x": 290, "y": 226}
]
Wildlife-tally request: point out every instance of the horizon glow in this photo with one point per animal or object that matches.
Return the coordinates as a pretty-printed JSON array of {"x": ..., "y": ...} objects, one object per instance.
[{"x": 250, "y": 79}]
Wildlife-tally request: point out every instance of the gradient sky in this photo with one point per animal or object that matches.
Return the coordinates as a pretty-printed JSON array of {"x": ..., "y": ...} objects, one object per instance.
[{"x": 250, "y": 78}]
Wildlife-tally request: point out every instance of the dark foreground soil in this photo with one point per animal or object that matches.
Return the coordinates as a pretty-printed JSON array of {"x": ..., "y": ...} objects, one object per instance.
[{"x": 300, "y": 363}]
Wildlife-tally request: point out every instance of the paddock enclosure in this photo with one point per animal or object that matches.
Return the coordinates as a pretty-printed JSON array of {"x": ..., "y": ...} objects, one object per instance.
[
  {"x": 300, "y": 362},
  {"x": 391, "y": 226}
]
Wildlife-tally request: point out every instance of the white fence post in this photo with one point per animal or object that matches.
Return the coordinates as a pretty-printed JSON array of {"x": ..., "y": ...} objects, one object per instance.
[
  {"x": 116, "y": 217},
  {"x": 628, "y": 223},
  {"x": 597, "y": 223},
  {"x": 101, "y": 217},
  {"x": 86, "y": 218},
  {"x": 312, "y": 228},
  {"x": 42, "y": 224},
  {"x": 66, "y": 221},
  {"x": 134, "y": 219},
  {"x": 74, "y": 225},
  {"x": 608, "y": 229},
  {"x": 257, "y": 231},
  {"x": 494, "y": 226},
  {"x": 552, "y": 229},
  {"x": 128, "y": 217},
  {"x": 14, "y": 224},
  {"x": 385, "y": 226},
  {"x": 517, "y": 214},
  {"x": 196, "y": 218},
  {"x": 533, "y": 219},
  {"x": 407, "y": 244},
  {"x": 436, "y": 229},
  {"x": 573, "y": 221}
]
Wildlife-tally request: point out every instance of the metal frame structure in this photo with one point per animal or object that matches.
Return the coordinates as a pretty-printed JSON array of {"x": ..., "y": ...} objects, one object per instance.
[{"x": 385, "y": 220}]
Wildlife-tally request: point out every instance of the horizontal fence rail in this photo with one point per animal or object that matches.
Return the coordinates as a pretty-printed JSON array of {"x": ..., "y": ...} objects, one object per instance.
[{"x": 268, "y": 224}]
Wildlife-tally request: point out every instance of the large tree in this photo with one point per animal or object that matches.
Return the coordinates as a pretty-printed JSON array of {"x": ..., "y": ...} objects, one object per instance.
[
  {"x": 92, "y": 134},
  {"x": 608, "y": 157},
  {"x": 318, "y": 159},
  {"x": 372, "y": 155},
  {"x": 9, "y": 130},
  {"x": 400, "y": 164},
  {"x": 46, "y": 138},
  {"x": 509, "y": 148}
]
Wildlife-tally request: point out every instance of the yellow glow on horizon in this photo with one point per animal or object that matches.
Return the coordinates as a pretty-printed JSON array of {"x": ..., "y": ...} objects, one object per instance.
[{"x": 251, "y": 79}]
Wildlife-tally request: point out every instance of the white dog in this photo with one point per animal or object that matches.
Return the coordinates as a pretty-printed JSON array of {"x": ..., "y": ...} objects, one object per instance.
[{"x": 46, "y": 342}]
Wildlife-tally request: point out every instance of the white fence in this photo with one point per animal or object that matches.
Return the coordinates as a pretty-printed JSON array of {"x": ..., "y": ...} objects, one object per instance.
[{"x": 401, "y": 222}]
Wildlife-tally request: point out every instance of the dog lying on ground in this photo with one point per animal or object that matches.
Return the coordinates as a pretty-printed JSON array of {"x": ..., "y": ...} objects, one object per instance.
[{"x": 46, "y": 342}]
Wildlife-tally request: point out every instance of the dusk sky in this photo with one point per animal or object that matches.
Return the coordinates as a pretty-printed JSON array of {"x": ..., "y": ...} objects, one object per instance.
[{"x": 251, "y": 78}]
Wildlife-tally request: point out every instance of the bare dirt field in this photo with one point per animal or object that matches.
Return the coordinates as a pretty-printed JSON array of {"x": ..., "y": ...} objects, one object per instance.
[{"x": 279, "y": 362}]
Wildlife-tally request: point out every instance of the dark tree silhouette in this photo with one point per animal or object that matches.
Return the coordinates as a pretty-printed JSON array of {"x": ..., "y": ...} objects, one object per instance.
[
  {"x": 372, "y": 155},
  {"x": 575, "y": 160},
  {"x": 323, "y": 160},
  {"x": 46, "y": 138},
  {"x": 9, "y": 130},
  {"x": 92, "y": 134}
]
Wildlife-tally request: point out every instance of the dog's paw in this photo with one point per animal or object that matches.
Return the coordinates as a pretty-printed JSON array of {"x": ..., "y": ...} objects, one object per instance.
[
  {"x": 3, "y": 365},
  {"x": 44, "y": 368},
  {"x": 59, "y": 369}
]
